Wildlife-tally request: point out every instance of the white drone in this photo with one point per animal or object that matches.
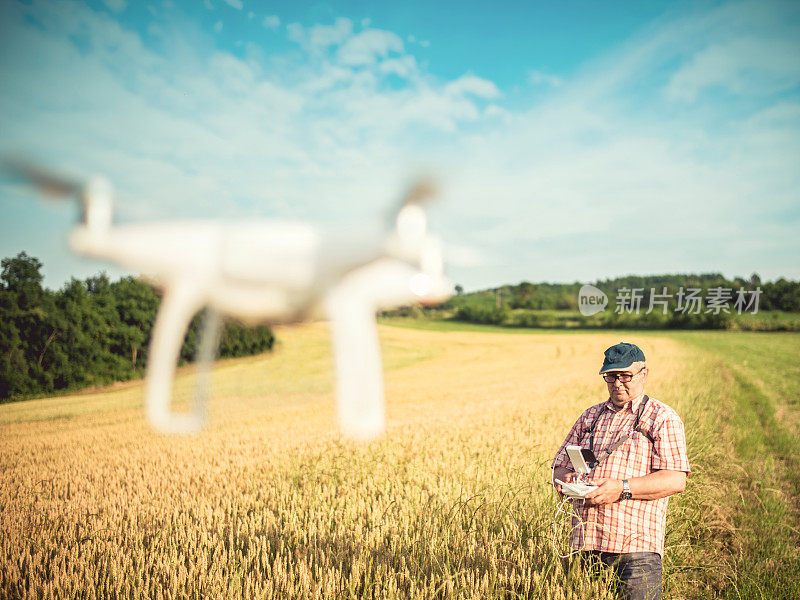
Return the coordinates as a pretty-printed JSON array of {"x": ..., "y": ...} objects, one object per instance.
[{"x": 270, "y": 272}]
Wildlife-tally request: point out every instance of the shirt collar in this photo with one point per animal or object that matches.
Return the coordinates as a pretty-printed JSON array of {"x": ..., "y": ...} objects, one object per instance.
[{"x": 632, "y": 406}]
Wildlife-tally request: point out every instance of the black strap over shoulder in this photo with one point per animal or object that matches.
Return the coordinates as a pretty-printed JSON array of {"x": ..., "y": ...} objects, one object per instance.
[{"x": 608, "y": 451}]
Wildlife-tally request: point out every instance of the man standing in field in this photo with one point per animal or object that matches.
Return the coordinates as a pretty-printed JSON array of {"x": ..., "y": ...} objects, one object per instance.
[{"x": 640, "y": 449}]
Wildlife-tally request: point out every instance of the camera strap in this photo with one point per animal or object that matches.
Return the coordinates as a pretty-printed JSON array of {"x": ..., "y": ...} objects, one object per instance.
[{"x": 603, "y": 455}]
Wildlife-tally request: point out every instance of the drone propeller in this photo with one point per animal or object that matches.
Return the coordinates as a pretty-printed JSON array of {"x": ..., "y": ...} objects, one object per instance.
[
  {"x": 420, "y": 193},
  {"x": 411, "y": 242},
  {"x": 95, "y": 193},
  {"x": 47, "y": 181}
]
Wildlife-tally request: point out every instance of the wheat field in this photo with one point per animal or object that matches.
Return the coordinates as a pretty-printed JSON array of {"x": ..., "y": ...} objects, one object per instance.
[{"x": 270, "y": 502}]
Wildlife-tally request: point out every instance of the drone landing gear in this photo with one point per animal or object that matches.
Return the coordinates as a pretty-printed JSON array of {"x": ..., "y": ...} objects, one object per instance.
[{"x": 181, "y": 301}]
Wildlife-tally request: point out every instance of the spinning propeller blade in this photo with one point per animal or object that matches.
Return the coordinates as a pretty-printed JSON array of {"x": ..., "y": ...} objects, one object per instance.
[
  {"x": 94, "y": 193},
  {"x": 47, "y": 181},
  {"x": 420, "y": 192}
]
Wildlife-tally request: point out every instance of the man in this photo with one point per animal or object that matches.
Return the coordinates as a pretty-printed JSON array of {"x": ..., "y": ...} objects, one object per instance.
[{"x": 640, "y": 447}]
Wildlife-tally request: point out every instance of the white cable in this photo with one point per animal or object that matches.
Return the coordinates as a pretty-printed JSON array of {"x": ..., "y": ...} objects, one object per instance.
[
  {"x": 577, "y": 514},
  {"x": 559, "y": 511},
  {"x": 581, "y": 524}
]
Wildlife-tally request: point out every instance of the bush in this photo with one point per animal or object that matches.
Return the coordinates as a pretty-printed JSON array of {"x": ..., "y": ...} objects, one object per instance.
[
  {"x": 526, "y": 319},
  {"x": 480, "y": 314}
]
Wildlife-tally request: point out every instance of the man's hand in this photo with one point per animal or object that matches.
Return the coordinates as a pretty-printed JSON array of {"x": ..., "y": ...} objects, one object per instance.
[
  {"x": 608, "y": 491},
  {"x": 564, "y": 475},
  {"x": 570, "y": 477}
]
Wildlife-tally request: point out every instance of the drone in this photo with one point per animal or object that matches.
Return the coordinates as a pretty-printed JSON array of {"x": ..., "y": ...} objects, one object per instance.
[{"x": 273, "y": 272}]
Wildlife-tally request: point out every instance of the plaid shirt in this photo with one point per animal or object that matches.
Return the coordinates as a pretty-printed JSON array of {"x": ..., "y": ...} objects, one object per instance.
[{"x": 629, "y": 525}]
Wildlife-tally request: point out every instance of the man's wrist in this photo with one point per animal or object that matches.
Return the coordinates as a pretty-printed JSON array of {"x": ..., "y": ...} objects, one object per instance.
[{"x": 625, "y": 494}]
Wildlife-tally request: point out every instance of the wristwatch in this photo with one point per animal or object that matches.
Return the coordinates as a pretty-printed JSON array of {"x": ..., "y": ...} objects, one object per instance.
[{"x": 626, "y": 490}]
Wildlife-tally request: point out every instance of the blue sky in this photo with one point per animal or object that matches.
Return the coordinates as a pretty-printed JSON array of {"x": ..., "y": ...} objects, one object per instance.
[{"x": 572, "y": 141}]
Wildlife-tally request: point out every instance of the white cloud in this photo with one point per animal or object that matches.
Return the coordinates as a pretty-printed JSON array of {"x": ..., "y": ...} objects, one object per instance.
[
  {"x": 473, "y": 85},
  {"x": 494, "y": 111},
  {"x": 320, "y": 37},
  {"x": 208, "y": 4},
  {"x": 404, "y": 66},
  {"x": 459, "y": 255},
  {"x": 237, "y": 4},
  {"x": 156, "y": 30},
  {"x": 750, "y": 66},
  {"x": 541, "y": 78},
  {"x": 116, "y": 6},
  {"x": 218, "y": 26},
  {"x": 272, "y": 21},
  {"x": 368, "y": 46},
  {"x": 783, "y": 115}
]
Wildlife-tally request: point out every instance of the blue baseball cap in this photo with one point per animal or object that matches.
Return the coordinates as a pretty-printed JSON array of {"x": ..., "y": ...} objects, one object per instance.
[{"x": 621, "y": 356}]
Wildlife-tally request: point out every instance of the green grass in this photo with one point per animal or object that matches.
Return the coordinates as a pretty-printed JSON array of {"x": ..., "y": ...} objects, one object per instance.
[
  {"x": 764, "y": 375},
  {"x": 767, "y": 320},
  {"x": 435, "y": 324},
  {"x": 774, "y": 320}
]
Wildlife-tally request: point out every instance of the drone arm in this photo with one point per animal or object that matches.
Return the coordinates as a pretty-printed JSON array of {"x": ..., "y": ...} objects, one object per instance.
[
  {"x": 358, "y": 360},
  {"x": 180, "y": 302},
  {"x": 206, "y": 352}
]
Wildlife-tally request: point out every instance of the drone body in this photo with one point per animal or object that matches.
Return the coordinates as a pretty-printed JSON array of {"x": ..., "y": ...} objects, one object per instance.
[{"x": 270, "y": 272}]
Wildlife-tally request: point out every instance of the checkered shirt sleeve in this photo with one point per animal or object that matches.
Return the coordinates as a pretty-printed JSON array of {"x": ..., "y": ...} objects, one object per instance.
[{"x": 669, "y": 445}]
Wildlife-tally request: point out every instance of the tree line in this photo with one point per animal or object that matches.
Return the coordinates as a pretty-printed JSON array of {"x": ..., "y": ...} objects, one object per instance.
[
  {"x": 683, "y": 301},
  {"x": 90, "y": 332},
  {"x": 777, "y": 295}
]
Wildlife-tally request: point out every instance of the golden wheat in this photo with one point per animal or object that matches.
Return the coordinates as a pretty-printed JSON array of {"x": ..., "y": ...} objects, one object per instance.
[{"x": 269, "y": 502}]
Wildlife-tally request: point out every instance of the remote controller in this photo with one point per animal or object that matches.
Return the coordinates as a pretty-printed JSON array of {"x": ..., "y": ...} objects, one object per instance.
[{"x": 575, "y": 490}]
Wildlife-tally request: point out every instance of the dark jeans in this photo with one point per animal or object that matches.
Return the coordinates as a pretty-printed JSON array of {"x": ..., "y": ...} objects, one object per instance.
[{"x": 639, "y": 572}]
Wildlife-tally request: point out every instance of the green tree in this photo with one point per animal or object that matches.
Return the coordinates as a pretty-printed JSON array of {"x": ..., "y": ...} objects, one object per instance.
[
  {"x": 89, "y": 332},
  {"x": 27, "y": 311},
  {"x": 74, "y": 356},
  {"x": 137, "y": 304},
  {"x": 14, "y": 377},
  {"x": 21, "y": 276}
]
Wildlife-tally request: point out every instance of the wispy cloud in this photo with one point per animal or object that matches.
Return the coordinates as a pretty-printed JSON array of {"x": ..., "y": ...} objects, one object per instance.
[
  {"x": 474, "y": 86},
  {"x": 368, "y": 47},
  {"x": 541, "y": 78},
  {"x": 319, "y": 38},
  {"x": 272, "y": 21},
  {"x": 749, "y": 66},
  {"x": 116, "y": 6}
]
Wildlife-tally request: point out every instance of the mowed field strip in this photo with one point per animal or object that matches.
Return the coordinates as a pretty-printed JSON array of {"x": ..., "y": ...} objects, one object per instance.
[{"x": 269, "y": 501}]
